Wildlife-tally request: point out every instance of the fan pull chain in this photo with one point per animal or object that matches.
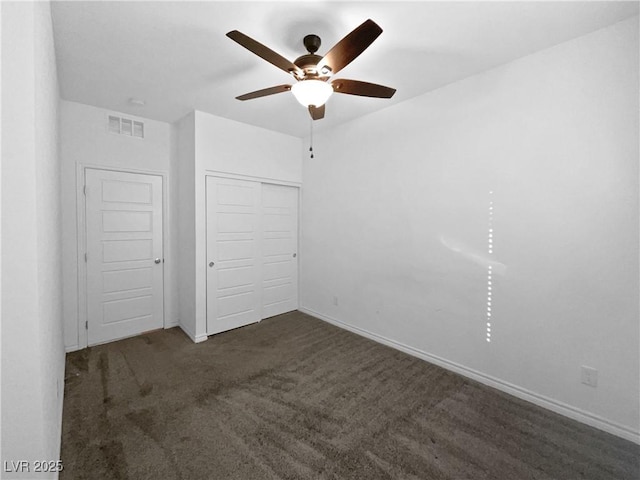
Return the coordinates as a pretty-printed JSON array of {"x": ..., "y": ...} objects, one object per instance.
[{"x": 311, "y": 138}]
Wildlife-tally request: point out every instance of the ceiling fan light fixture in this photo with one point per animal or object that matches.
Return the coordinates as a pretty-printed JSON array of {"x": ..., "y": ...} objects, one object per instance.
[{"x": 312, "y": 92}]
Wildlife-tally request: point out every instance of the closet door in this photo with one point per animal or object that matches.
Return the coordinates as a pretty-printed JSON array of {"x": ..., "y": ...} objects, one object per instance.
[
  {"x": 234, "y": 257},
  {"x": 279, "y": 249}
]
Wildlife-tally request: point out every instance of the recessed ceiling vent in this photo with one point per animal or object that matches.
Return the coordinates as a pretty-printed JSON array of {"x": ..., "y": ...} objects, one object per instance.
[{"x": 126, "y": 126}]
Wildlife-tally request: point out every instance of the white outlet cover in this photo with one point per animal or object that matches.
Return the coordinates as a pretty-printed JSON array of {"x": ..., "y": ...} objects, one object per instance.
[{"x": 589, "y": 376}]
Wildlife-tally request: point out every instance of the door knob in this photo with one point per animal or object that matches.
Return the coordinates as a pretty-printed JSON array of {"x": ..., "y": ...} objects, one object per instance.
[
  {"x": 157, "y": 260},
  {"x": 211, "y": 264},
  {"x": 295, "y": 255}
]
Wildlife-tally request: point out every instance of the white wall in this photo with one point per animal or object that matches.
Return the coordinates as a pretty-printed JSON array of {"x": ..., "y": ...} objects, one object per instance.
[
  {"x": 186, "y": 165},
  {"x": 84, "y": 140},
  {"x": 32, "y": 346},
  {"x": 215, "y": 145},
  {"x": 395, "y": 225},
  {"x": 173, "y": 308},
  {"x": 228, "y": 146}
]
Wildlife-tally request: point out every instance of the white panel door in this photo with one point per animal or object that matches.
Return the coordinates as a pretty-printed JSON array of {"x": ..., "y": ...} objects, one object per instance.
[
  {"x": 233, "y": 253},
  {"x": 124, "y": 254},
  {"x": 279, "y": 249}
]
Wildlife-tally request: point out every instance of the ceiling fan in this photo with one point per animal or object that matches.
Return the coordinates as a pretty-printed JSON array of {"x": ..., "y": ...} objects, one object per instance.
[{"x": 313, "y": 72}]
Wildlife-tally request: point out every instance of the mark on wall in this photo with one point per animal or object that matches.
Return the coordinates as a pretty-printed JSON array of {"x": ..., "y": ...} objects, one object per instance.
[
  {"x": 473, "y": 255},
  {"x": 483, "y": 257},
  {"x": 489, "y": 267}
]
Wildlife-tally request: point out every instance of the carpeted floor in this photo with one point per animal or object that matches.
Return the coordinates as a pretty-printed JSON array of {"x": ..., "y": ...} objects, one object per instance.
[{"x": 295, "y": 398}]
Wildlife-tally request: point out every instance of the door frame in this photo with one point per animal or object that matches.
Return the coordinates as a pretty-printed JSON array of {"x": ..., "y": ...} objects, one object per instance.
[
  {"x": 81, "y": 232},
  {"x": 272, "y": 181}
]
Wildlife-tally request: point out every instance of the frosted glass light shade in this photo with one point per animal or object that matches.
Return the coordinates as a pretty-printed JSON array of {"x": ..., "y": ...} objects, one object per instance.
[{"x": 312, "y": 92}]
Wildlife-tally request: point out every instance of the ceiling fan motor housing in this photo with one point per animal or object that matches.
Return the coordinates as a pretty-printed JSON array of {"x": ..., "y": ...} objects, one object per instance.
[{"x": 308, "y": 63}]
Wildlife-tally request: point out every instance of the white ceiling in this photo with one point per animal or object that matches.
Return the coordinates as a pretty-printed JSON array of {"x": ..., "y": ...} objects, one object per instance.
[{"x": 176, "y": 57}]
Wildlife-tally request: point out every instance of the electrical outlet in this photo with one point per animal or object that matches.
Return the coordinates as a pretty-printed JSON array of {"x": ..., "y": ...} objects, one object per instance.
[
  {"x": 335, "y": 300},
  {"x": 589, "y": 376}
]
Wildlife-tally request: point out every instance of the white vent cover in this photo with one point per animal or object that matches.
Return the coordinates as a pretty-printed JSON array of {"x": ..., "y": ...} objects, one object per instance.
[{"x": 125, "y": 126}]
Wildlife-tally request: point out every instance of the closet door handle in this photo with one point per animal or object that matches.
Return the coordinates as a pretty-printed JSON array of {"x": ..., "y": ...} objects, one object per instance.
[
  {"x": 211, "y": 264},
  {"x": 157, "y": 260},
  {"x": 295, "y": 255}
]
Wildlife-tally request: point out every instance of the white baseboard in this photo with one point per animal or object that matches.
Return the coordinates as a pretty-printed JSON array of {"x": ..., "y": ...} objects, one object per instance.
[
  {"x": 194, "y": 338},
  {"x": 540, "y": 400},
  {"x": 201, "y": 338}
]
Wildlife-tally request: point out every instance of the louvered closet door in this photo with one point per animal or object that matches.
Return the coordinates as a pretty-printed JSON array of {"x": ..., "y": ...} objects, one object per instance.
[
  {"x": 279, "y": 249},
  {"x": 233, "y": 254}
]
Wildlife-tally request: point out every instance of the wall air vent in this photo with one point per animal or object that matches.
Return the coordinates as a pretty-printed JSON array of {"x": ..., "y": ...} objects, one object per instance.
[{"x": 125, "y": 126}]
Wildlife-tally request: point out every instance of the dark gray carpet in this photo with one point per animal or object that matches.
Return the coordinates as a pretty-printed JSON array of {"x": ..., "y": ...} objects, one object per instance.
[{"x": 295, "y": 398}]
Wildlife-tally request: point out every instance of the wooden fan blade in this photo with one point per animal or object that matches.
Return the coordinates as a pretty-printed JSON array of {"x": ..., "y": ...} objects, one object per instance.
[
  {"x": 263, "y": 52},
  {"x": 317, "y": 113},
  {"x": 264, "y": 92},
  {"x": 347, "y": 49},
  {"x": 364, "y": 89}
]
